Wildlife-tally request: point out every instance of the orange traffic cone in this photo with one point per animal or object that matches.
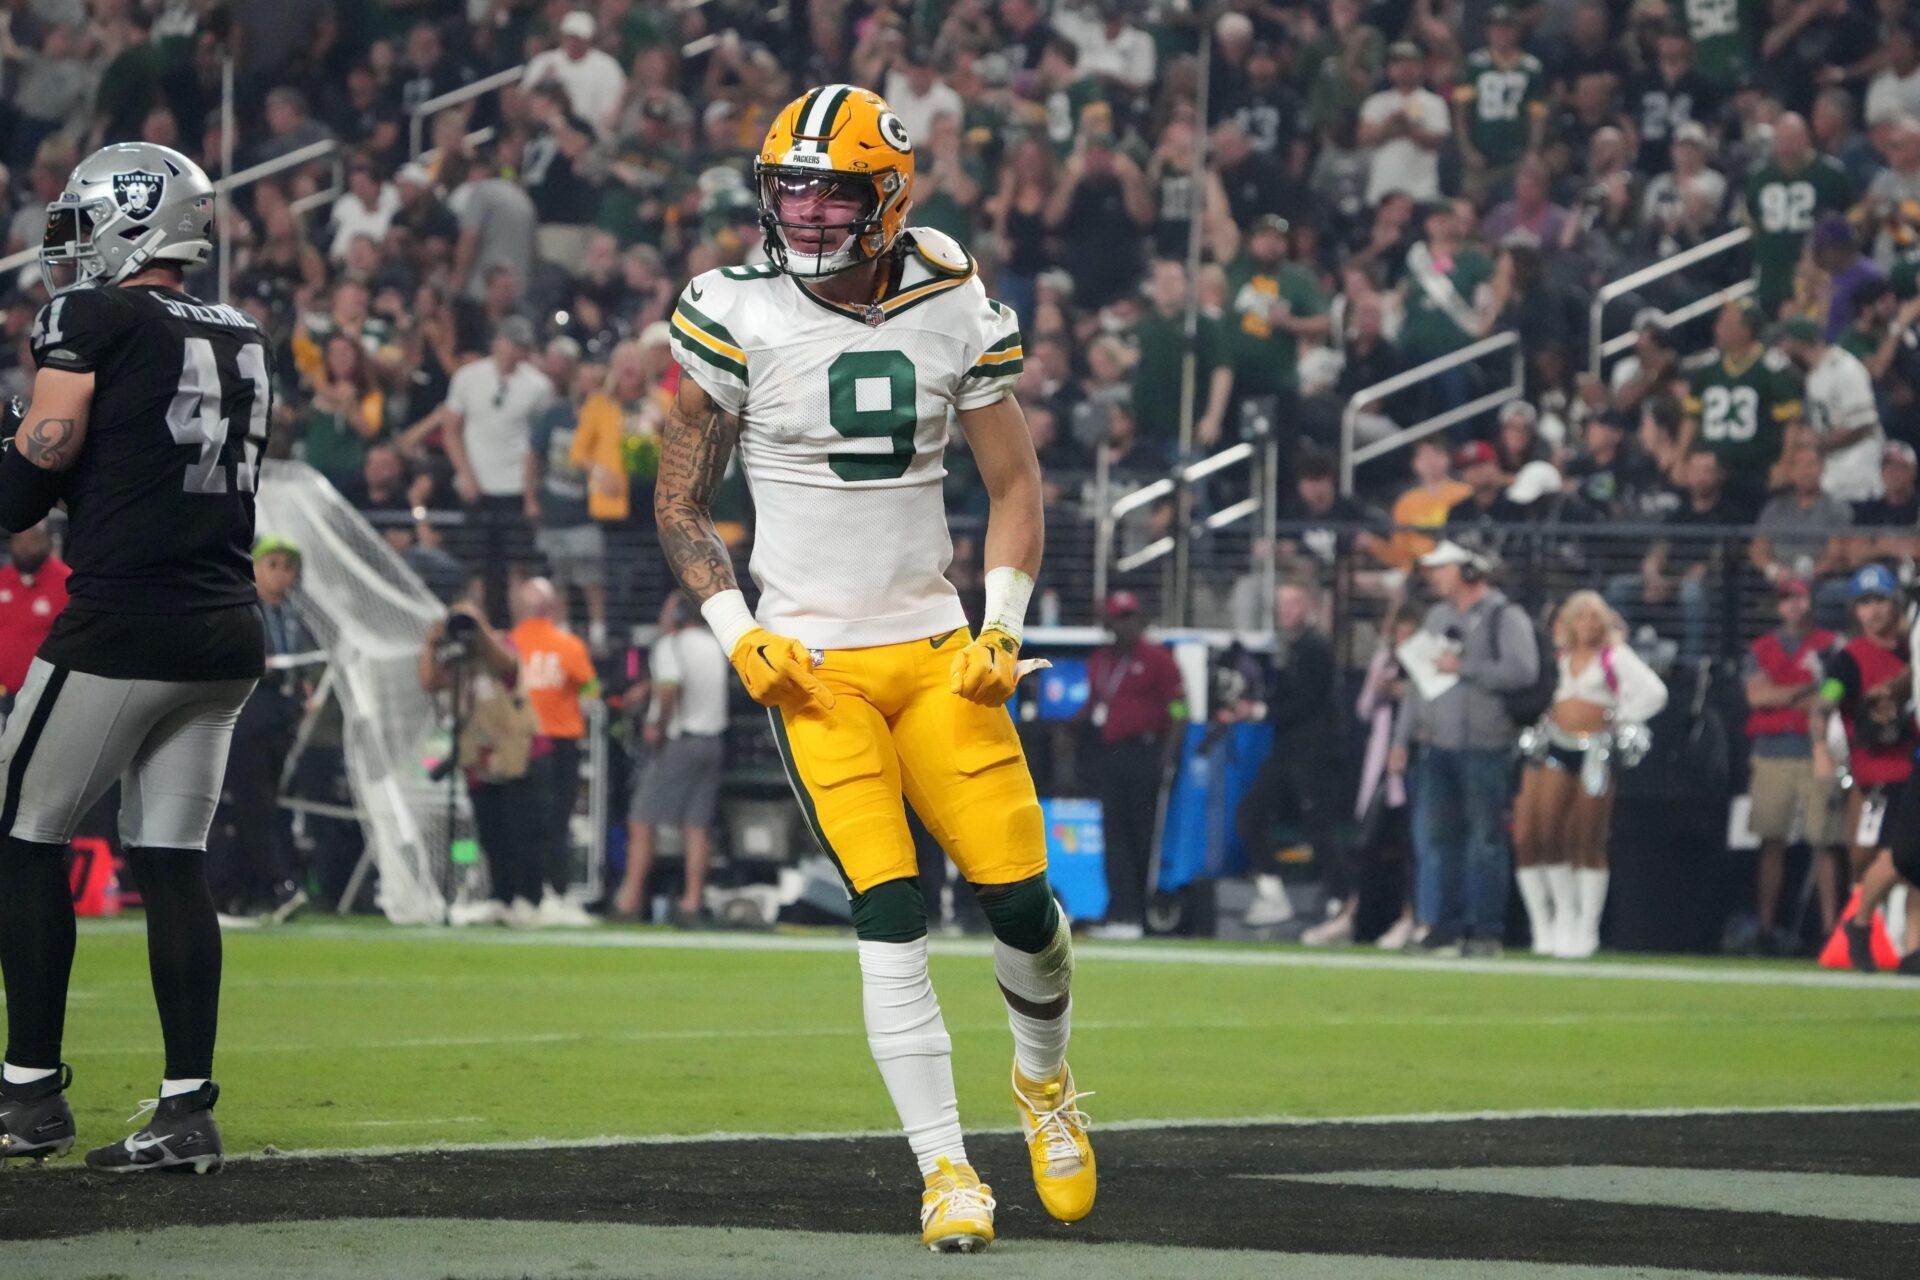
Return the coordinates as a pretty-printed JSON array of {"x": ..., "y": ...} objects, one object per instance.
[{"x": 1834, "y": 954}]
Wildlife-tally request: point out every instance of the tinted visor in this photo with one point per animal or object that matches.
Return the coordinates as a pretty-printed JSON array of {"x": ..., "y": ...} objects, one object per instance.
[
  {"x": 69, "y": 231},
  {"x": 817, "y": 213}
]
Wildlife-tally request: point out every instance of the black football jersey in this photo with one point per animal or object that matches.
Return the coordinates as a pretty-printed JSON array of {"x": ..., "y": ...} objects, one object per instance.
[{"x": 160, "y": 503}]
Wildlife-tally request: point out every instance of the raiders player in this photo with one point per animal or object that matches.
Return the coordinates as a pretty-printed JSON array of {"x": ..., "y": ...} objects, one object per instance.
[{"x": 148, "y": 417}]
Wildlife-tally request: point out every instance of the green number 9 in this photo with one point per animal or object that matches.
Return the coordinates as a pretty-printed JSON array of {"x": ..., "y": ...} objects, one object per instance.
[{"x": 884, "y": 380}]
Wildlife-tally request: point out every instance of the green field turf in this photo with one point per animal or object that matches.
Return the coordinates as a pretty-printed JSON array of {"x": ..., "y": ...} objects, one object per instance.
[{"x": 354, "y": 1036}]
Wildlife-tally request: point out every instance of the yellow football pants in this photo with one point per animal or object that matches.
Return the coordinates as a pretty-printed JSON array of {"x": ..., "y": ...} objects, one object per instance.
[{"x": 896, "y": 729}]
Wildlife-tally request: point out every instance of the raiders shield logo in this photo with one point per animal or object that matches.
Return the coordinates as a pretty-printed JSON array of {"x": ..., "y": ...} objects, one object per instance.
[{"x": 138, "y": 193}]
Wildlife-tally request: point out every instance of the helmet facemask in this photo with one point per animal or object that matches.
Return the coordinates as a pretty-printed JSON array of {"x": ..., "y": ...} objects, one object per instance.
[
  {"x": 821, "y": 222},
  {"x": 68, "y": 258}
]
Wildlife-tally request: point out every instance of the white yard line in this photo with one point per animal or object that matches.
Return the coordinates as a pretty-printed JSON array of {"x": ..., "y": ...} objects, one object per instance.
[
  {"x": 1113, "y": 1126},
  {"x": 1708, "y": 971},
  {"x": 1085, "y": 1026}
]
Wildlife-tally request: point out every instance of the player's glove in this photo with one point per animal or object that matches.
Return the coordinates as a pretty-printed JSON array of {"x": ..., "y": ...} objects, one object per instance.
[
  {"x": 778, "y": 672},
  {"x": 987, "y": 670}
]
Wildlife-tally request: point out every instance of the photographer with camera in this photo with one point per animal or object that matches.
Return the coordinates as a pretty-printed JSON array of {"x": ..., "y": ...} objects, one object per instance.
[{"x": 494, "y": 735}]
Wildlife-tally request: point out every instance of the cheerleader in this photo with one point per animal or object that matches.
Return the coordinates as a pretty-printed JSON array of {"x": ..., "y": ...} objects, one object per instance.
[{"x": 1605, "y": 696}]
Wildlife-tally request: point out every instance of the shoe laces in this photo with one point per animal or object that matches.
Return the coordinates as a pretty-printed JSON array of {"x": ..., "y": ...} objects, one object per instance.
[
  {"x": 1059, "y": 1126},
  {"x": 952, "y": 1196},
  {"x": 148, "y": 1106}
]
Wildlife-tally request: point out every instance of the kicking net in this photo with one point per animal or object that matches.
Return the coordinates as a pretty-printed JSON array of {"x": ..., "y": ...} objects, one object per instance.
[{"x": 370, "y": 613}]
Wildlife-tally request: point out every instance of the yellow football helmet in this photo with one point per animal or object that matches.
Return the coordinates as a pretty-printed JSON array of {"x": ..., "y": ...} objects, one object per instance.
[{"x": 836, "y": 180}]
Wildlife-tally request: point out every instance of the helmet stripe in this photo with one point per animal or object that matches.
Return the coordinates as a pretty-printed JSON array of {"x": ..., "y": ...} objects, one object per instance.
[
  {"x": 816, "y": 118},
  {"x": 800, "y": 116}
]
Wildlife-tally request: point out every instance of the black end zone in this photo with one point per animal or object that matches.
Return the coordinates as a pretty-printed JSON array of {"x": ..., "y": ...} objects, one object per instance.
[{"x": 1168, "y": 1186}]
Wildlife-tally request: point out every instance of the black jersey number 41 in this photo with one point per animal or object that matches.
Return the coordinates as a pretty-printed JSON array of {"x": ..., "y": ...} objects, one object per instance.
[{"x": 202, "y": 414}]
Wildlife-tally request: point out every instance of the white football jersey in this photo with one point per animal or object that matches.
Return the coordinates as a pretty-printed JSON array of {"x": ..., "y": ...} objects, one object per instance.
[{"x": 844, "y": 426}]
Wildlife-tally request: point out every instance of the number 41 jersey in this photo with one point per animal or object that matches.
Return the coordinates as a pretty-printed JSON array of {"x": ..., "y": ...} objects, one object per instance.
[
  {"x": 160, "y": 504},
  {"x": 844, "y": 414}
]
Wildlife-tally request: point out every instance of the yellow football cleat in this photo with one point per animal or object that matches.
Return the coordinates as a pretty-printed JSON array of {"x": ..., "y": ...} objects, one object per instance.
[
  {"x": 956, "y": 1210},
  {"x": 1057, "y": 1143}
]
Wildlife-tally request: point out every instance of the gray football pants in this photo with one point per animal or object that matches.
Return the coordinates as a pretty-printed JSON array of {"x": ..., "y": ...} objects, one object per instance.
[{"x": 71, "y": 735}]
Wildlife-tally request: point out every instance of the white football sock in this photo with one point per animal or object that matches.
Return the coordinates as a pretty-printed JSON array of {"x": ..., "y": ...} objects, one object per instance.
[
  {"x": 1039, "y": 1044},
  {"x": 25, "y": 1075},
  {"x": 1564, "y": 890},
  {"x": 1593, "y": 900},
  {"x": 1538, "y": 897},
  {"x": 168, "y": 1088},
  {"x": 911, "y": 1047}
]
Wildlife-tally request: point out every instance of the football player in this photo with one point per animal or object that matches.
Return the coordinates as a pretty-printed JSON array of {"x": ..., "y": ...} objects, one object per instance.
[
  {"x": 148, "y": 417},
  {"x": 833, "y": 370}
]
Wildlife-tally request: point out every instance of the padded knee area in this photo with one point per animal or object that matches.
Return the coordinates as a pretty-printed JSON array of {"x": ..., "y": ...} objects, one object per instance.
[
  {"x": 1022, "y": 914},
  {"x": 890, "y": 912},
  {"x": 1043, "y": 974}
]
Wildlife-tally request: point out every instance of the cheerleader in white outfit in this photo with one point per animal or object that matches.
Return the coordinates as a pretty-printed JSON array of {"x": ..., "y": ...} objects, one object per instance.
[{"x": 1597, "y": 722}]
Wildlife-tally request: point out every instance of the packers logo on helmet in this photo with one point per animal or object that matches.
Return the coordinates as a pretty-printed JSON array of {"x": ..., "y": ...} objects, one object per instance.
[{"x": 836, "y": 180}]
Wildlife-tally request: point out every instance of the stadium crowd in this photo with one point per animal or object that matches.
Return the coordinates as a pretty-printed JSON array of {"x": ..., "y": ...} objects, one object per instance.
[
  {"x": 475, "y": 323},
  {"x": 470, "y": 331}
]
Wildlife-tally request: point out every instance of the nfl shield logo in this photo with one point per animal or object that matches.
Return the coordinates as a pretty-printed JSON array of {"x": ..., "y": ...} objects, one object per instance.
[{"x": 138, "y": 193}]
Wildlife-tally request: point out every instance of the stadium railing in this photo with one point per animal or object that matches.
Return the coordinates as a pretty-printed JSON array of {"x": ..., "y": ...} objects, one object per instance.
[
  {"x": 1599, "y": 351},
  {"x": 417, "y": 118},
  {"x": 1353, "y": 454}
]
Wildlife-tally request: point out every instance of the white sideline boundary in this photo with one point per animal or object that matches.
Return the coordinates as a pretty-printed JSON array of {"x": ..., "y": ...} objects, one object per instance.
[
  {"x": 1708, "y": 971},
  {"x": 1112, "y": 1126}
]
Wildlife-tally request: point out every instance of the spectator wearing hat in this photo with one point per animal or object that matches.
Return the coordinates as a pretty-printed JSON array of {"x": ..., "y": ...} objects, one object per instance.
[
  {"x": 252, "y": 860},
  {"x": 1867, "y": 684},
  {"x": 1500, "y": 109},
  {"x": 1611, "y": 475},
  {"x": 1516, "y": 437},
  {"x": 1405, "y": 124},
  {"x": 1459, "y": 745},
  {"x": 592, "y": 78},
  {"x": 1841, "y": 411},
  {"x": 1784, "y": 669},
  {"x": 1112, "y": 49},
  {"x": 1136, "y": 707},
  {"x": 1486, "y": 503},
  {"x": 1685, "y": 203},
  {"x": 489, "y": 413},
  {"x": 33, "y": 591},
  {"x": 1794, "y": 187},
  {"x": 1274, "y": 305},
  {"x": 1668, "y": 96}
]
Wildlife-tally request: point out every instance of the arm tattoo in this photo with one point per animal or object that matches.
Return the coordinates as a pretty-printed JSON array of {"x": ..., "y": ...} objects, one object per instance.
[
  {"x": 695, "y": 446},
  {"x": 49, "y": 443}
]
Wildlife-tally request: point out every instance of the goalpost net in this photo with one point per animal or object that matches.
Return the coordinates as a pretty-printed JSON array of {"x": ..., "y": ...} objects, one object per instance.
[{"x": 370, "y": 613}]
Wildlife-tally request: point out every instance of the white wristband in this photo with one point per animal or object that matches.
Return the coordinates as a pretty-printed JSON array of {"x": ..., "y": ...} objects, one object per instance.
[
  {"x": 1008, "y": 590},
  {"x": 728, "y": 615}
]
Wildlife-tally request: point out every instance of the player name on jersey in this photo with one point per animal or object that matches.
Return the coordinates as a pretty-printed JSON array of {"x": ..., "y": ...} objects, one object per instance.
[{"x": 209, "y": 313}]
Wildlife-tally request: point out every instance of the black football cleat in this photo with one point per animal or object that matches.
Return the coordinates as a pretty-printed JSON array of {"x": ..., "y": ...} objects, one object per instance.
[
  {"x": 181, "y": 1135},
  {"x": 1860, "y": 946},
  {"x": 1910, "y": 964},
  {"x": 35, "y": 1121}
]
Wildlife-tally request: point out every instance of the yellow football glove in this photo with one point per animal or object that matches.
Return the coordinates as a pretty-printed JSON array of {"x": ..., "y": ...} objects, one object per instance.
[
  {"x": 778, "y": 672},
  {"x": 987, "y": 670}
]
